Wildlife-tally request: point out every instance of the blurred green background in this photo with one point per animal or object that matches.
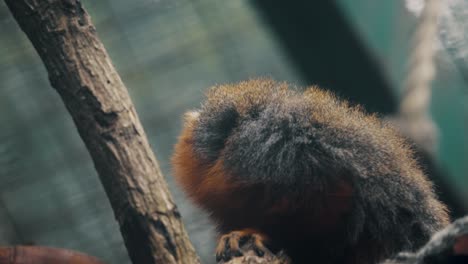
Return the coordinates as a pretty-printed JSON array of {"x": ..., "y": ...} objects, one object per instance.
[{"x": 168, "y": 53}]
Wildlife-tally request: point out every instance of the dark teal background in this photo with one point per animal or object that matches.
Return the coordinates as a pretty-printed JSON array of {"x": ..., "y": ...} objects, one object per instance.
[{"x": 168, "y": 53}]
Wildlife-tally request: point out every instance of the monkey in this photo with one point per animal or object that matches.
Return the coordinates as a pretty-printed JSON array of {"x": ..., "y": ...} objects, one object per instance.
[{"x": 304, "y": 172}]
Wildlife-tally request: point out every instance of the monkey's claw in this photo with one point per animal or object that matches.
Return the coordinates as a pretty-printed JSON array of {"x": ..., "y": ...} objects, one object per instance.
[{"x": 232, "y": 245}]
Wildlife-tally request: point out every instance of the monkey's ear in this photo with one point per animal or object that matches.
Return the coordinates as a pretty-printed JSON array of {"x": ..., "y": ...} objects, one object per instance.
[{"x": 191, "y": 117}]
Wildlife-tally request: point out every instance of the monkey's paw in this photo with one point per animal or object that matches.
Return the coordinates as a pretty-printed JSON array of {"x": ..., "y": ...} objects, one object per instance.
[{"x": 236, "y": 243}]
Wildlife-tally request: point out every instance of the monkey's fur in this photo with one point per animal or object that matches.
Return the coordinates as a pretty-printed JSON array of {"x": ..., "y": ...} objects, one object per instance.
[{"x": 304, "y": 172}]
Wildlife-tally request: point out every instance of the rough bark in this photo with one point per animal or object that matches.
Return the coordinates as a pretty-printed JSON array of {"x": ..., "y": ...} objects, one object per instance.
[
  {"x": 43, "y": 255},
  {"x": 80, "y": 70}
]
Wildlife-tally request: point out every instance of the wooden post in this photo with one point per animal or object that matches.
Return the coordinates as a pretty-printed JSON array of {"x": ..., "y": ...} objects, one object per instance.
[{"x": 81, "y": 71}]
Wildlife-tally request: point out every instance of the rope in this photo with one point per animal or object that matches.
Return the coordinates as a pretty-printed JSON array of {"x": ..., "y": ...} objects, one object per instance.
[
  {"x": 413, "y": 117},
  {"x": 416, "y": 99}
]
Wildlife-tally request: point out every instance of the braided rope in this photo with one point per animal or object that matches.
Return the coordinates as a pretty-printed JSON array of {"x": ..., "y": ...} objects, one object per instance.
[
  {"x": 413, "y": 117},
  {"x": 417, "y": 95}
]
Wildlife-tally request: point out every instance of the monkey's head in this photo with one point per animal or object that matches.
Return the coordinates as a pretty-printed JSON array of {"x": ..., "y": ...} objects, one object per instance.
[{"x": 262, "y": 131}]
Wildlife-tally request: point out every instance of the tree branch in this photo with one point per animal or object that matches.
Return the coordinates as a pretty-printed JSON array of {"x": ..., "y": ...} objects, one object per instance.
[
  {"x": 34, "y": 254},
  {"x": 82, "y": 73}
]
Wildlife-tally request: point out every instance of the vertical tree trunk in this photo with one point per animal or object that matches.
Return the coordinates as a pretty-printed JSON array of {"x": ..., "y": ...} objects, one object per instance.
[{"x": 82, "y": 73}]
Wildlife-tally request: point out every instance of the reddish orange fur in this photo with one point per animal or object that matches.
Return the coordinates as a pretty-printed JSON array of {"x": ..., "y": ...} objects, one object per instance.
[
  {"x": 206, "y": 185},
  {"x": 461, "y": 246}
]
